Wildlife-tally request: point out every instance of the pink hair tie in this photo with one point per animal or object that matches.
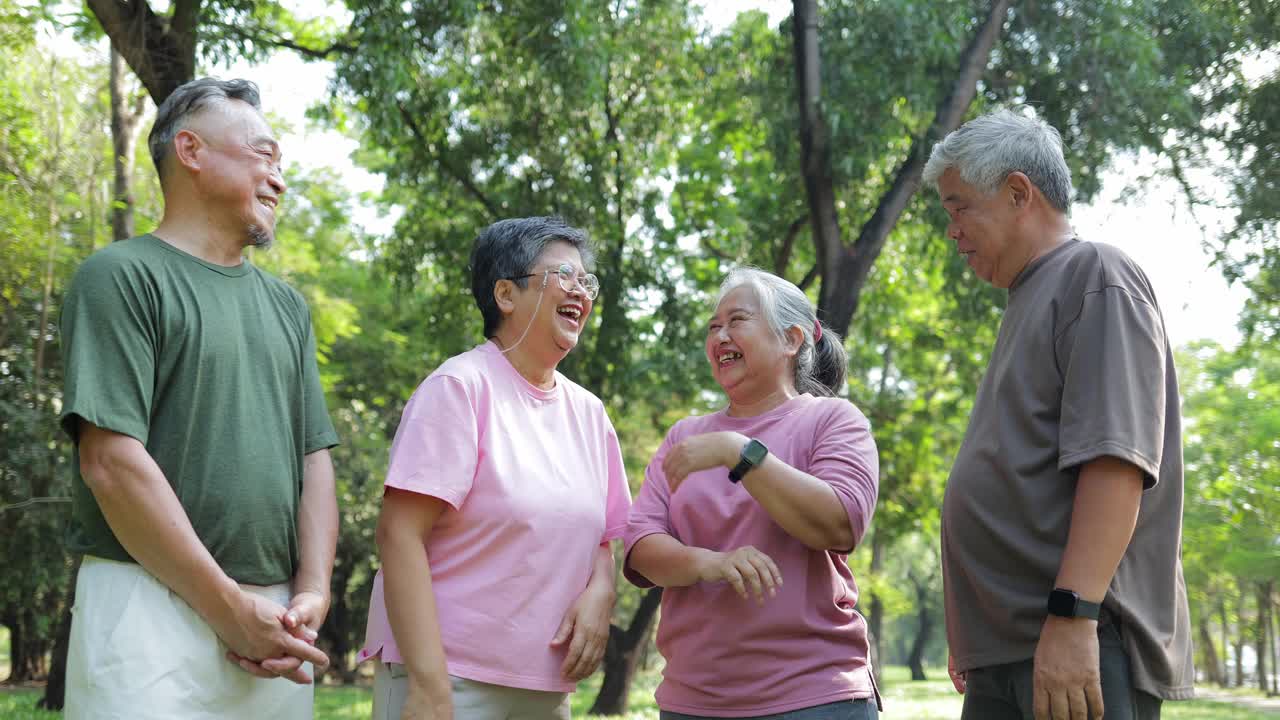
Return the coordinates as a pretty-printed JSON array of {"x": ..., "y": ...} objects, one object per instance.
[{"x": 817, "y": 331}]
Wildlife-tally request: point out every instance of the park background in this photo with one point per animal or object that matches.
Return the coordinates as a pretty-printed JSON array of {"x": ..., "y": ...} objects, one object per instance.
[{"x": 687, "y": 138}]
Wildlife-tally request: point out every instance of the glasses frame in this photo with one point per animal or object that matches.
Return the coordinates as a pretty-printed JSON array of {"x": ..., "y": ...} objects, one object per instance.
[{"x": 589, "y": 283}]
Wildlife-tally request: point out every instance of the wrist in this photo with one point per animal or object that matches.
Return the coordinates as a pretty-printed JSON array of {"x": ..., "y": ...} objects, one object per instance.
[{"x": 704, "y": 562}]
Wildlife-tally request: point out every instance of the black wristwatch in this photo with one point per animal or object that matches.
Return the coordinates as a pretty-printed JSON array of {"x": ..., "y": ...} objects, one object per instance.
[
  {"x": 752, "y": 455},
  {"x": 1066, "y": 603}
]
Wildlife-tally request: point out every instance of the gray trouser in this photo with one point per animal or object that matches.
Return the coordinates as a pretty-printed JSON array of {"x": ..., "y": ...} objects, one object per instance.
[
  {"x": 1004, "y": 692},
  {"x": 842, "y": 710},
  {"x": 471, "y": 700}
]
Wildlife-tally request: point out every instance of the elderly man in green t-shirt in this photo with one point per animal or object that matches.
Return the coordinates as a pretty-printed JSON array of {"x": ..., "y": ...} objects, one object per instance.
[
  {"x": 1062, "y": 520},
  {"x": 204, "y": 493}
]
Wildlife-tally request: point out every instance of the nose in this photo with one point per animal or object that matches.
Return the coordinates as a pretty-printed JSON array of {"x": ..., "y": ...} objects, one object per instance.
[
  {"x": 953, "y": 232},
  {"x": 276, "y": 181}
]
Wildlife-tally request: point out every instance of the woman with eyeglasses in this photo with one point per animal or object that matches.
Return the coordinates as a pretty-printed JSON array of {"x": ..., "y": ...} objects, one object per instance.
[
  {"x": 747, "y": 516},
  {"x": 504, "y": 488}
]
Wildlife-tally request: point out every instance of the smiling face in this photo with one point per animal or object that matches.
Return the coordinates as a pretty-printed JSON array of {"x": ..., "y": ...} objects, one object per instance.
[
  {"x": 239, "y": 176},
  {"x": 748, "y": 359},
  {"x": 560, "y": 315}
]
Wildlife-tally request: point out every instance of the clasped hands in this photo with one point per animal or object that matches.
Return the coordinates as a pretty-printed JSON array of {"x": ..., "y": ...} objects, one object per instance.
[{"x": 270, "y": 641}]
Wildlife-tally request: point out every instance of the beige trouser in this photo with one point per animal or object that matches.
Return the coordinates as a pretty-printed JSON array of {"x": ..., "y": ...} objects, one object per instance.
[
  {"x": 471, "y": 700},
  {"x": 138, "y": 651}
]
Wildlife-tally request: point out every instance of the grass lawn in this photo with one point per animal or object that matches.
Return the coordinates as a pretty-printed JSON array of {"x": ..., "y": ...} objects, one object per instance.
[{"x": 931, "y": 700}]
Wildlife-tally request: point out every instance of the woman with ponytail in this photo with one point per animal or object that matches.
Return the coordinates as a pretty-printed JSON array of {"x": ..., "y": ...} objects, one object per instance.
[{"x": 747, "y": 516}]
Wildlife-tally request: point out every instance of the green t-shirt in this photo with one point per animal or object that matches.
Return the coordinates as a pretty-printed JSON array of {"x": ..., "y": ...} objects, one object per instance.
[{"x": 214, "y": 370}]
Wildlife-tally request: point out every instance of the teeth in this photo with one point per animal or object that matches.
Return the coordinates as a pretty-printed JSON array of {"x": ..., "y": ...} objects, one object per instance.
[
  {"x": 726, "y": 357},
  {"x": 572, "y": 312}
]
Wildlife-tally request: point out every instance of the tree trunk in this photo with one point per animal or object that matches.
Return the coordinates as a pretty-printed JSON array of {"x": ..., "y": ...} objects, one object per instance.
[
  {"x": 161, "y": 51},
  {"x": 924, "y": 628},
  {"x": 1260, "y": 637},
  {"x": 1226, "y": 639},
  {"x": 1275, "y": 644},
  {"x": 875, "y": 611},
  {"x": 1239, "y": 639},
  {"x": 1212, "y": 669},
  {"x": 55, "y": 691},
  {"x": 844, "y": 268},
  {"x": 125, "y": 117},
  {"x": 622, "y": 655}
]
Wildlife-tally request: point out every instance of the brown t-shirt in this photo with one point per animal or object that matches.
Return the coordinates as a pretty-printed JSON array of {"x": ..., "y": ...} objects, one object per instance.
[{"x": 1081, "y": 369}]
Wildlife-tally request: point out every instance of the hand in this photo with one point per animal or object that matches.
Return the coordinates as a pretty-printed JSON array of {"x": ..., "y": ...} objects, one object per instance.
[
  {"x": 423, "y": 704},
  {"x": 746, "y": 569},
  {"x": 702, "y": 452},
  {"x": 303, "y": 619},
  {"x": 254, "y": 630},
  {"x": 1067, "y": 678},
  {"x": 957, "y": 678},
  {"x": 586, "y": 629}
]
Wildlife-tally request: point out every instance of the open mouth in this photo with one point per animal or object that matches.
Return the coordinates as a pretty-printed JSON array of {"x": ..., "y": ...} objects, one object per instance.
[
  {"x": 728, "y": 357},
  {"x": 268, "y": 202},
  {"x": 570, "y": 312}
]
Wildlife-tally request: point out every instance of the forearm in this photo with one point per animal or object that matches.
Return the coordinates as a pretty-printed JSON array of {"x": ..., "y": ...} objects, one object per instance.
[
  {"x": 149, "y": 521},
  {"x": 805, "y": 507},
  {"x": 667, "y": 562},
  {"x": 411, "y": 610},
  {"x": 317, "y": 525},
  {"x": 602, "y": 570},
  {"x": 1103, "y": 517}
]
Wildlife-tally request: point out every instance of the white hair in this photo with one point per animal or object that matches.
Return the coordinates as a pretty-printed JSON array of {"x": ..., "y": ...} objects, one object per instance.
[
  {"x": 821, "y": 363},
  {"x": 986, "y": 149}
]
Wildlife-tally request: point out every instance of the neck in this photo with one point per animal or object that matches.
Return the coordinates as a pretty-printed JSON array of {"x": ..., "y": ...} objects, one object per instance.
[
  {"x": 761, "y": 404},
  {"x": 532, "y": 366},
  {"x": 1053, "y": 232},
  {"x": 201, "y": 236}
]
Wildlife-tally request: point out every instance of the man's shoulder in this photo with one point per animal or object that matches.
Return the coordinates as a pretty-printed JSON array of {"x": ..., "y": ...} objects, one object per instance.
[
  {"x": 119, "y": 258},
  {"x": 292, "y": 297}
]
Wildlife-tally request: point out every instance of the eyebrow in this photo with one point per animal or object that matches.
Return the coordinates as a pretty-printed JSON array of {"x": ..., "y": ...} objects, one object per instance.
[
  {"x": 268, "y": 140},
  {"x": 951, "y": 198}
]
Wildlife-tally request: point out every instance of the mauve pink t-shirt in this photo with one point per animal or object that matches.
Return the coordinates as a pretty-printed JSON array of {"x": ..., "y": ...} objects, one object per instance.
[
  {"x": 729, "y": 657},
  {"x": 535, "y": 483}
]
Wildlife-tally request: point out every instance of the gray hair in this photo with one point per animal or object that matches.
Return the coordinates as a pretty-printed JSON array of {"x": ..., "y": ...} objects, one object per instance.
[
  {"x": 822, "y": 365},
  {"x": 184, "y": 103},
  {"x": 987, "y": 149},
  {"x": 508, "y": 249}
]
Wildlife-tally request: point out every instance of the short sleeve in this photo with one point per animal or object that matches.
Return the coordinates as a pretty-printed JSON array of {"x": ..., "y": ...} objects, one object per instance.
[
  {"x": 1113, "y": 360},
  {"x": 436, "y": 448},
  {"x": 845, "y": 457},
  {"x": 617, "y": 493},
  {"x": 320, "y": 433},
  {"x": 650, "y": 514},
  {"x": 109, "y": 339}
]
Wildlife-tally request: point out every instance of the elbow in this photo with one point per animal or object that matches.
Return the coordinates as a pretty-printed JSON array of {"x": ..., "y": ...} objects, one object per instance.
[{"x": 832, "y": 537}]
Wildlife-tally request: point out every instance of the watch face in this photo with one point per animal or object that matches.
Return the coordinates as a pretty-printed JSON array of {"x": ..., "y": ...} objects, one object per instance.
[
  {"x": 754, "y": 452},
  {"x": 1062, "y": 603}
]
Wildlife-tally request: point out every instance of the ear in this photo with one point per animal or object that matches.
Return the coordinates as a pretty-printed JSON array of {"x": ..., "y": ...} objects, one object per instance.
[
  {"x": 186, "y": 149},
  {"x": 793, "y": 341},
  {"x": 504, "y": 295},
  {"x": 1021, "y": 189}
]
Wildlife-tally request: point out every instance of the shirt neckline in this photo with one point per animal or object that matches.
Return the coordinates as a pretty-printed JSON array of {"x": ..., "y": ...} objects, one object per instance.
[
  {"x": 1039, "y": 262},
  {"x": 489, "y": 347},
  {"x": 796, "y": 403},
  {"x": 230, "y": 271}
]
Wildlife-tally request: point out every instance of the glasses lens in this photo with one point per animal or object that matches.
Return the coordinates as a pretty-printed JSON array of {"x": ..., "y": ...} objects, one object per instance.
[{"x": 569, "y": 278}]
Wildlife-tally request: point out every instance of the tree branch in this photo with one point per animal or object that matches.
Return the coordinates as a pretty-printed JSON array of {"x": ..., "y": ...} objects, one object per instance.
[
  {"x": 783, "y": 258},
  {"x": 467, "y": 183},
  {"x": 148, "y": 44}
]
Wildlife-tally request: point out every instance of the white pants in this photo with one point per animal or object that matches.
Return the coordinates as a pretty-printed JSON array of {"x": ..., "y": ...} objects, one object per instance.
[
  {"x": 472, "y": 700},
  {"x": 138, "y": 651}
]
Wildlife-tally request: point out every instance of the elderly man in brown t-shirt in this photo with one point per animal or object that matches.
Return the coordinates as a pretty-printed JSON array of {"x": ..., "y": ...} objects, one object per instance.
[{"x": 1062, "y": 521}]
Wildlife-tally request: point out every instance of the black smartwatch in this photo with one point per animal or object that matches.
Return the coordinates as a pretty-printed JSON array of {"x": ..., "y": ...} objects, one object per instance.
[
  {"x": 1066, "y": 603},
  {"x": 752, "y": 455}
]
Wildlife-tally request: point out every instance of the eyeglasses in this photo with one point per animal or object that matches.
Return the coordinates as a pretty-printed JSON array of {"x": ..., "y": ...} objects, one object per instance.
[{"x": 569, "y": 279}]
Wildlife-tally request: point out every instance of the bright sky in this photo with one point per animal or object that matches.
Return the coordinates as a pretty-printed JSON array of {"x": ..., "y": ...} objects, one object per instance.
[{"x": 1154, "y": 226}]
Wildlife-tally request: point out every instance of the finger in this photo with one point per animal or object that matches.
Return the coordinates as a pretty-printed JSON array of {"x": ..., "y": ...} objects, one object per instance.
[
  {"x": 752, "y": 578},
  {"x": 249, "y": 666},
  {"x": 302, "y": 650},
  {"x": 761, "y": 563},
  {"x": 734, "y": 578},
  {"x": 575, "y": 653},
  {"x": 281, "y": 665},
  {"x": 1041, "y": 702},
  {"x": 592, "y": 655},
  {"x": 1093, "y": 693},
  {"x": 1078, "y": 708},
  {"x": 565, "y": 629},
  {"x": 1059, "y": 705},
  {"x": 774, "y": 572},
  {"x": 299, "y": 676}
]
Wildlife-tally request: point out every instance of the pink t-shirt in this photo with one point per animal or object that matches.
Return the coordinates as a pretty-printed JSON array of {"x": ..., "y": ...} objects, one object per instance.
[
  {"x": 729, "y": 657},
  {"x": 535, "y": 482}
]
